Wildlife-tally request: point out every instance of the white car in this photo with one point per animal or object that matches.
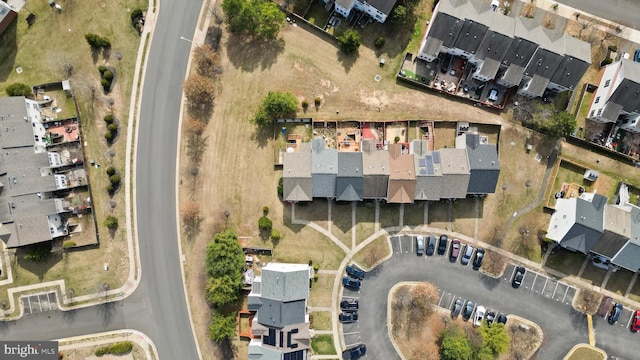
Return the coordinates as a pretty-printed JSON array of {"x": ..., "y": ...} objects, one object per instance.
[{"x": 480, "y": 312}]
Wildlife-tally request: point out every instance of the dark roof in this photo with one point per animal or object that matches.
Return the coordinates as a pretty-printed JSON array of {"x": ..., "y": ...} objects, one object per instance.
[
  {"x": 349, "y": 188},
  {"x": 494, "y": 46},
  {"x": 428, "y": 187},
  {"x": 609, "y": 244},
  {"x": 580, "y": 238},
  {"x": 384, "y": 6},
  {"x": 629, "y": 257},
  {"x": 375, "y": 186},
  {"x": 569, "y": 72},
  {"x": 470, "y": 36},
  {"x": 627, "y": 95},
  {"x": 483, "y": 181},
  {"x": 324, "y": 185},
  {"x": 520, "y": 52},
  {"x": 445, "y": 28},
  {"x": 278, "y": 314},
  {"x": 544, "y": 63},
  {"x": 350, "y": 164}
]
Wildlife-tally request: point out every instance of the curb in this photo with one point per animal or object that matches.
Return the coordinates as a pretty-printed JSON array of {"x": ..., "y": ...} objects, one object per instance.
[
  {"x": 534, "y": 325},
  {"x": 577, "y": 346},
  {"x": 110, "y": 337}
]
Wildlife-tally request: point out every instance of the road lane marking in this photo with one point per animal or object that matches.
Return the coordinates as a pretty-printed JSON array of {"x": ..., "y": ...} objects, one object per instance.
[
  {"x": 352, "y": 333},
  {"x": 554, "y": 291},
  {"x": 399, "y": 244}
]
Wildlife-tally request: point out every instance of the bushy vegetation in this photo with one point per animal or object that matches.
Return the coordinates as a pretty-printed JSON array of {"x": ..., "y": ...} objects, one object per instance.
[
  {"x": 111, "y": 222},
  {"x": 38, "y": 252},
  {"x": 349, "y": 41},
  {"x": 276, "y": 105},
  {"x": 97, "y": 41},
  {"x": 222, "y": 326},
  {"x": 116, "y": 349},
  {"x": 260, "y": 19},
  {"x": 224, "y": 264},
  {"x": 18, "y": 89},
  {"x": 379, "y": 42},
  {"x": 264, "y": 223}
]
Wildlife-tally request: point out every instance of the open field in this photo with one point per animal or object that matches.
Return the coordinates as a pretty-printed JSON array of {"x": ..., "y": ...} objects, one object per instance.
[
  {"x": 526, "y": 235},
  {"x": 23, "y": 46},
  {"x": 341, "y": 215},
  {"x": 321, "y": 291}
]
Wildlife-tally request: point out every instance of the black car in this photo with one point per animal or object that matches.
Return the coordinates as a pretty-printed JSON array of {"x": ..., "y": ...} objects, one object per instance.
[
  {"x": 477, "y": 260},
  {"x": 468, "y": 310},
  {"x": 431, "y": 245},
  {"x": 457, "y": 308},
  {"x": 518, "y": 276},
  {"x": 349, "y": 304},
  {"x": 501, "y": 319},
  {"x": 490, "y": 317},
  {"x": 351, "y": 283},
  {"x": 355, "y": 272},
  {"x": 614, "y": 315},
  {"x": 348, "y": 317},
  {"x": 442, "y": 245},
  {"x": 355, "y": 352}
]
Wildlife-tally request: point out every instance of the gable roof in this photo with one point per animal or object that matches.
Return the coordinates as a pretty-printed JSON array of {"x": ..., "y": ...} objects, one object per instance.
[
  {"x": 323, "y": 160},
  {"x": 443, "y": 32},
  {"x": 285, "y": 282},
  {"x": 569, "y": 72},
  {"x": 544, "y": 63},
  {"x": 617, "y": 228},
  {"x": 471, "y": 35},
  {"x": 349, "y": 189},
  {"x": 350, "y": 164},
  {"x": 275, "y": 313},
  {"x": 520, "y": 52},
  {"x": 578, "y": 223},
  {"x": 384, "y": 6},
  {"x": 297, "y": 184},
  {"x": 626, "y": 96}
]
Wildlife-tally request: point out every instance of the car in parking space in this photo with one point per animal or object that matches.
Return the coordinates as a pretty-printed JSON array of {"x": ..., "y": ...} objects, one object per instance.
[
  {"x": 477, "y": 260},
  {"x": 635, "y": 321},
  {"x": 457, "y": 308},
  {"x": 353, "y": 271},
  {"x": 490, "y": 317},
  {"x": 501, "y": 319},
  {"x": 468, "y": 253},
  {"x": 419, "y": 245},
  {"x": 355, "y": 352},
  {"x": 349, "y": 304},
  {"x": 614, "y": 315},
  {"x": 518, "y": 276},
  {"x": 480, "y": 312},
  {"x": 348, "y": 317},
  {"x": 455, "y": 250},
  {"x": 468, "y": 310},
  {"x": 431, "y": 245},
  {"x": 351, "y": 283},
  {"x": 442, "y": 245}
]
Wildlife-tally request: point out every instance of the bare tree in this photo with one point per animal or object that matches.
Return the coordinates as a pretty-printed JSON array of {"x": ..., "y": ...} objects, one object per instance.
[{"x": 191, "y": 219}]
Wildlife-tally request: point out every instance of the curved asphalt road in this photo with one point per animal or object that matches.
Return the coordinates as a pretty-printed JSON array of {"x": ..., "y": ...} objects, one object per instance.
[
  {"x": 158, "y": 307},
  {"x": 624, "y": 12}
]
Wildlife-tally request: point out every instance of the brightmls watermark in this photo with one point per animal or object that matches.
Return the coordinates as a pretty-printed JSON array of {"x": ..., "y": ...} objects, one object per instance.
[{"x": 29, "y": 350}]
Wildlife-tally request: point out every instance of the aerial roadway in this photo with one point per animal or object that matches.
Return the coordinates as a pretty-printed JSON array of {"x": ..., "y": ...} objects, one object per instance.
[{"x": 624, "y": 12}]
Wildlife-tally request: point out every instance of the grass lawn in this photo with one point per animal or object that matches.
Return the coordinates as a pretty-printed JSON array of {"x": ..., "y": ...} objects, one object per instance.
[
  {"x": 315, "y": 211},
  {"x": 365, "y": 220},
  {"x": 317, "y": 15},
  {"x": 619, "y": 281},
  {"x": 389, "y": 215},
  {"x": 526, "y": 234},
  {"x": 321, "y": 320},
  {"x": 464, "y": 215},
  {"x": 371, "y": 254},
  {"x": 593, "y": 275},
  {"x": 584, "y": 109},
  {"x": 414, "y": 214},
  {"x": 323, "y": 345},
  {"x": 565, "y": 261},
  {"x": 585, "y": 353},
  {"x": 439, "y": 214},
  {"x": 445, "y": 134},
  {"x": 321, "y": 291},
  {"x": 341, "y": 215}
]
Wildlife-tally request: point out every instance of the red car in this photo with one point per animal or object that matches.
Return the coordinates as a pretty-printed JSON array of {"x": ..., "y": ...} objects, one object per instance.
[
  {"x": 455, "y": 250},
  {"x": 635, "y": 323}
]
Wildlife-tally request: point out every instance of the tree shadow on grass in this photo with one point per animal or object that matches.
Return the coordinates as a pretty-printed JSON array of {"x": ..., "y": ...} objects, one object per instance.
[
  {"x": 9, "y": 47},
  {"x": 347, "y": 60},
  {"x": 251, "y": 54},
  {"x": 38, "y": 268},
  {"x": 261, "y": 135}
]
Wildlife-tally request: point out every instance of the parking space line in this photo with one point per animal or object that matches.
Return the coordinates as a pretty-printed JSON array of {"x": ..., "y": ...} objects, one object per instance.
[
  {"x": 31, "y": 310},
  {"x": 513, "y": 272},
  {"x": 39, "y": 302},
  {"x": 351, "y": 333},
  {"x": 453, "y": 299},
  {"x": 400, "y": 244},
  {"x": 49, "y": 300},
  {"x": 554, "y": 291},
  {"x": 534, "y": 282},
  {"x": 630, "y": 318},
  {"x": 545, "y": 285},
  {"x": 565, "y": 294},
  {"x": 413, "y": 243}
]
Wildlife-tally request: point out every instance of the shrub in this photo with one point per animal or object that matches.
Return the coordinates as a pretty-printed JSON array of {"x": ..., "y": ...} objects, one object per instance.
[
  {"x": 102, "y": 69},
  {"x": 275, "y": 235},
  {"x": 97, "y": 41},
  {"x": 305, "y": 104},
  {"x": 18, "y": 89},
  {"x": 68, "y": 244},
  {"x": 396, "y": 139},
  {"x": 379, "y": 42},
  {"x": 111, "y": 222},
  {"x": 111, "y": 170},
  {"x": 117, "y": 348},
  {"x": 612, "y": 48},
  {"x": 108, "y": 136},
  {"x": 264, "y": 223},
  {"x": 108, "y": 75},
  {"x": 316, "y": 268},
  {"x": 111, "y": 189},
  {"x": 114, "y": 179},
  {"x": 112, "y": 127},
  {"x": 108, "y": 119},
  {"x": 317, "y": 101},
  {"x": 281, "y": 187},
  {"x": 106, "y": 85},
  {"x": 349, "y": 41},
  {"x": 310, "y": 262},
  {"x": 135, "y": 14},
  {"x": 315, "y": 277},
  {"x": 606, "y": 61},
  {"x": 38, "y": 252}
]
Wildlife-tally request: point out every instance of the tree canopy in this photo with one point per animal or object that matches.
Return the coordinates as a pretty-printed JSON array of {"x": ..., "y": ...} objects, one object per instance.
[
  {"x": 259, "y": 18},
  {"x": 18, "y": 89},
  {"x": 222, "y": 326},
  {"x": 495, "y": 338},
  {"x": 349, "y": 41},
  {"x": 224, "y": 265},
  {"x": 276, "y": 105},
  {"x": 455, "y": 346},
  {"x": 561, "y": 124}
]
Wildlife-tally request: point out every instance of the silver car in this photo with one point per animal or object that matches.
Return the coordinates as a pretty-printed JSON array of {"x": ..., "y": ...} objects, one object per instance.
[{"x": 420, "y": 245}]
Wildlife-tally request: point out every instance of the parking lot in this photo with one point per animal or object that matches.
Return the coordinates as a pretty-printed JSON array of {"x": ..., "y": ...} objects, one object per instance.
[{"x": 38, "y": 303}]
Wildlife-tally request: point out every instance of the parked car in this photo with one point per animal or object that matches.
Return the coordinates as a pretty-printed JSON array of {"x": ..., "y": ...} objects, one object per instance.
[
  {"x": 351, "y": 283},
  {"x": 442, "y": 245},
  {"x": 431, "y": 245},
  {"x": 614, "y": 315},
  {"x": 348, "y": 304},
  {"x": 457, "y": 309},
  {"x": 605, "y": 306},
  {"x": 518, "y": 276},
  {"x": 348, "y": 317},
  {"x": 355, "y": 352},
  {"x": 493, "y": 95},
  {"x": 480, "y": 312},
  {"x": 502, "y": 319},
  {"x": 455, "y": 250},
  {"x": 355, "y": 272},
  {"x": 477, "y": 260},
  {"x": 636, "y": 56},
  {"x": 490, "y": 317},
  {"x": 468, "y": 310},
  {"x": 468, "y": 253},
  {"x": 635, "y": 322},
  {"x": 419, "y": 245}
]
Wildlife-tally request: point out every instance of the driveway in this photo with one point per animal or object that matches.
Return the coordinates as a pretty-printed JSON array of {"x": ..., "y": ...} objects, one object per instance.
[{"x": 535, "y": 300}]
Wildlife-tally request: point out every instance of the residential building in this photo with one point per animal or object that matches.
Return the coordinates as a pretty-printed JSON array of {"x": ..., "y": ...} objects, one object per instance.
[
  {"x": 379, "y": 10},
  {"x": 490, "y": 54},
  {"x": 578, "y": 223},
  {"x": 428, "y": 172},
  {"x": 617, "y": 98},
  {"x": 515, "y": 61},
  {"x": 34, "y": 176},
  {"x": 8, "y": 12},
  {"x": 280, "y": 327},
  {"x": 484, "y": 165},
  {"x": 324, "y": 169},
  {"x": 297, "y": 183},
  {"x": 455, "y": 173},
  {"x": 402, "y": 177},
  {"x": 350, "y": 179},
  {"x": 375, "y": 164}
]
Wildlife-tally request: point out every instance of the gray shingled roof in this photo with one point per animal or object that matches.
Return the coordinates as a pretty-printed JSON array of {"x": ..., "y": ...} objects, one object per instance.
[
  {"x": 278, "y": 314},
  {"x": 347, "y": 4},
  {"x": 628, "y": 257},
  {"x": 544, "y": 63},
  {"x": 609, "y": 244},
  {"x": 324, "y": 169},
  {"x": 296, "y": 173},
  {"x": 350, "y": 164},
  {"x": 470, "y": 36},
  {"x": 455, "y": 173},
  {"x": 520, "y": 52},
  {"x": 15, "y": 131},
  {"x": 580, "y": 238},
  {"x": 627, "y": 95},
  {"x": 537, "y": 85},
  {"x": 428, "y": 188},
  {"x": 349, "y": 188},
  {"x": 384, "y": 6},
  {"x": 588, "y": 226},
  {"x": 569, "y": 72},
  {"x": 445, "y": 28}
]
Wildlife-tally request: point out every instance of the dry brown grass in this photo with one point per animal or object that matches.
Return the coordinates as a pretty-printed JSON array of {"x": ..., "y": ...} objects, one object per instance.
[
  {"x": 587, "y": 301},
  {"x": 321, "y": 291},
  {"x": 494, "y": 263},
  {"x": 523, "y": 341},
  {"x": 373, "y": 253}
]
